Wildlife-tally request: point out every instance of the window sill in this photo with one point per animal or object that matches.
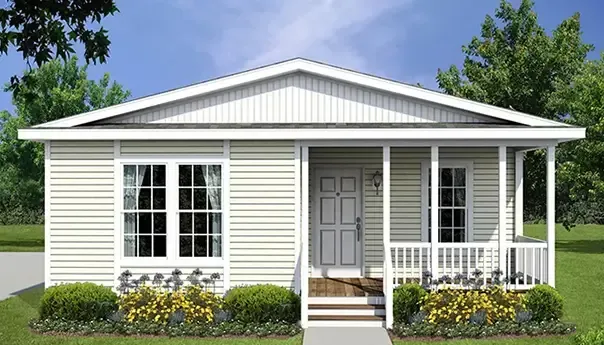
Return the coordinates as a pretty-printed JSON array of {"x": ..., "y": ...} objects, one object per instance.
[{"x": 171, "y": 263}]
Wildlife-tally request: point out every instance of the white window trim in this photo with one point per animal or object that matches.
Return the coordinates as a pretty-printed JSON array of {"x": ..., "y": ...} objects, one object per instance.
[
  {"x": 172, "y": 260},
  {"x": 447, "y": 163}
]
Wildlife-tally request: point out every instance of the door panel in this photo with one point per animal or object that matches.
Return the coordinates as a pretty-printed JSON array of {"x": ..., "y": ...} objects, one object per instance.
[
  {"x": 337, "y": 224},
  {"x": 328, "y": 184},
  {"x": 328, "y": 211},
  {"x": 348, "y": 213},
  {"x": 328, "y": 247},
  {"x": 348, "y": 247}
]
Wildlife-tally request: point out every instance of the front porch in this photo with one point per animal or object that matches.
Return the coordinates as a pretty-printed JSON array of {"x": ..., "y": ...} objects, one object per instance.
[
  {"x": 346, "y": 287},
  {"x": 395, "y": 229}
]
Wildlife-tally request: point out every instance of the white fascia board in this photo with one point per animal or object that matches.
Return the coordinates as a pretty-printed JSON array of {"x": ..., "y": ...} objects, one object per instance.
[
  {"x": 301, "y": 65},
  {"x": 558, "y": 134}
]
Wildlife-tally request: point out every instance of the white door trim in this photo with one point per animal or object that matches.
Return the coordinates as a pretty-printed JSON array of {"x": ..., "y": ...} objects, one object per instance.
[{"x": 315, "y": 270}]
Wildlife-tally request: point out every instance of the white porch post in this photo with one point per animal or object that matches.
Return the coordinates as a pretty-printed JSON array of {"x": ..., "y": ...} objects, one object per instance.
[
  {"x": 386, "y": 234},
  {"x": 502, "y": 209},
  {"x": 304, "y": 238},
  {"x": 551, "y": 215},
  {"x": 297, "y": 215},
  {"x": 519, "y": 195},
  {"x": 434, "y": 177}
]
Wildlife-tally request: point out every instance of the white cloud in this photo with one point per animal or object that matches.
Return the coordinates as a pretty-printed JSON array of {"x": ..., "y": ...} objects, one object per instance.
[{"x": 356, "y": 34}]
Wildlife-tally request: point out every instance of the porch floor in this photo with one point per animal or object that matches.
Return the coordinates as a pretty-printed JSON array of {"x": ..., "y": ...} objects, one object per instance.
[{"x": 345, "y": 287}]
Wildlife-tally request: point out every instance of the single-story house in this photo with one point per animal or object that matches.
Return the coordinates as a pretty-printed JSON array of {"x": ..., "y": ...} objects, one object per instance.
[{"x": 300, "y": 174}]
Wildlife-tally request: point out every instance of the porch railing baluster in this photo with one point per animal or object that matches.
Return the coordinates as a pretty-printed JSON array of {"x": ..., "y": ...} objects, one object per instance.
[
  {"x": 540, "y": 267},
  {"x": 404, "y": 265},
  {"x": 395, "y": 266},
  {"x": 492, "y": 259},
  {"x": 524, "y": 255}
]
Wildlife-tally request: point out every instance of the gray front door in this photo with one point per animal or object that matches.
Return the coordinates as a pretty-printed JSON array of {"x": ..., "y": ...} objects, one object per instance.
[{"x": 337, "y": 230}]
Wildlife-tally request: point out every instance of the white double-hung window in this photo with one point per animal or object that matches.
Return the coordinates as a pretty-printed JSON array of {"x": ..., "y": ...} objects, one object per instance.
[
  {"x": 199, "y": 210},
  {"x": 455, "y": 180},
  {"x": 172, "y": 210},
  {"x": 144, "y": 210}
]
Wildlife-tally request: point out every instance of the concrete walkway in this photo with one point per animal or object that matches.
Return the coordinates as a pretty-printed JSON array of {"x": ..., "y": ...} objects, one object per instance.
[
  {"x": 20, "y": 272},
  {"x": 346, "y": 335}
]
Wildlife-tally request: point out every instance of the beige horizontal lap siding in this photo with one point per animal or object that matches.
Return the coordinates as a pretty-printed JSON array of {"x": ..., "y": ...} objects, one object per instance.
[
  {"x": 156, "y": 148},
  {"x": 262, "y": 217},
  {"x": 217, "y": 286},
  {"x": 405, "y": 164},
  {"x": 81, "y": 212},
  {"x": 301, "y": 98}
]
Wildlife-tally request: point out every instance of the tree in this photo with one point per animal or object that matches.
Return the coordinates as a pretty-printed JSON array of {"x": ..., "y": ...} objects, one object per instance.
[
  {"x": 45, "y": 29},
  {"x": 516, "y": 64},
  {"x": 581, "y": 171},
  {"x": 51, "y": 92}
]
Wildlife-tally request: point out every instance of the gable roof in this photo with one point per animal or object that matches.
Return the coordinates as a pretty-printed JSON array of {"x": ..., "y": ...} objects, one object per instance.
[{"x": 307, "y": 66}]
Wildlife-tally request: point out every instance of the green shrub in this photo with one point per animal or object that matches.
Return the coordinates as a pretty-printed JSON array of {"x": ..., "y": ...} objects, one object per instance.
[
  {"x": 544, "y": 302},
  {"x": 78, "y": 302},
  {"x": 262, "y": 303},
  {"x": 407, "y": 301},
  {"x": 592, "y": 337}
]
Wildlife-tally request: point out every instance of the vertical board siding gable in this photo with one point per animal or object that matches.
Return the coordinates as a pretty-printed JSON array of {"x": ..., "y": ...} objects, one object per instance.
[{"x": 301, "y": 98}]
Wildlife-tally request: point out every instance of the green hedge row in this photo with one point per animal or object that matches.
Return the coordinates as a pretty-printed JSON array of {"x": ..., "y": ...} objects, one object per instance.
[{"x": 254, "y": 304}]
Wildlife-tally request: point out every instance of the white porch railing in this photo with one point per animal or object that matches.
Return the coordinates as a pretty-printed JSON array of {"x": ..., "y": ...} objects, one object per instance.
[
  {"x": 527, "y": 257},
  {"x": 525, "y": 262}
]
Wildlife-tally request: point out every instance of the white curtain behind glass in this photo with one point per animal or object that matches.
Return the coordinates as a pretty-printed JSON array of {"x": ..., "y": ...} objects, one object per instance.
[
  {"x": 130, "y": 204},
  {"x": 212, "y": 178}
]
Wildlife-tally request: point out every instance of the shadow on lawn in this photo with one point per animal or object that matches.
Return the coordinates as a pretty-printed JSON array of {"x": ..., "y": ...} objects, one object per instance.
[
  {"x": 22, "y": 243},
  {"x": 31, "y": 295},
  {"x": 581, "y": 246}
]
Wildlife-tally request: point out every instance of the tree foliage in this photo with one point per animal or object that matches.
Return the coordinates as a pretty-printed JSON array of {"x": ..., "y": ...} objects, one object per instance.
[
  {"x": 51, "y": 92},
  {"x": 515, "y": 64},
  {"x": 45, "y": 29},
  {"x": 581, "y": 170}
]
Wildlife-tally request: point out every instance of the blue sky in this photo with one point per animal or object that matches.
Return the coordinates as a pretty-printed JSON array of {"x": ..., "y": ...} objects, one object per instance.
[{"x": 163, "y": 44}]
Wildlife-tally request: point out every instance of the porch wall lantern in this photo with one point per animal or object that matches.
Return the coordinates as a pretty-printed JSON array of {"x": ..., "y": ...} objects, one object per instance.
[{"x": 377, "y": 181}]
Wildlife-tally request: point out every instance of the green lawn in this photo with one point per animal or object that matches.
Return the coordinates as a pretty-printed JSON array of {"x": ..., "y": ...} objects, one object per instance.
[
  {"x": 21, "y": 238},
  {"x": 580, "y": 268}
]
